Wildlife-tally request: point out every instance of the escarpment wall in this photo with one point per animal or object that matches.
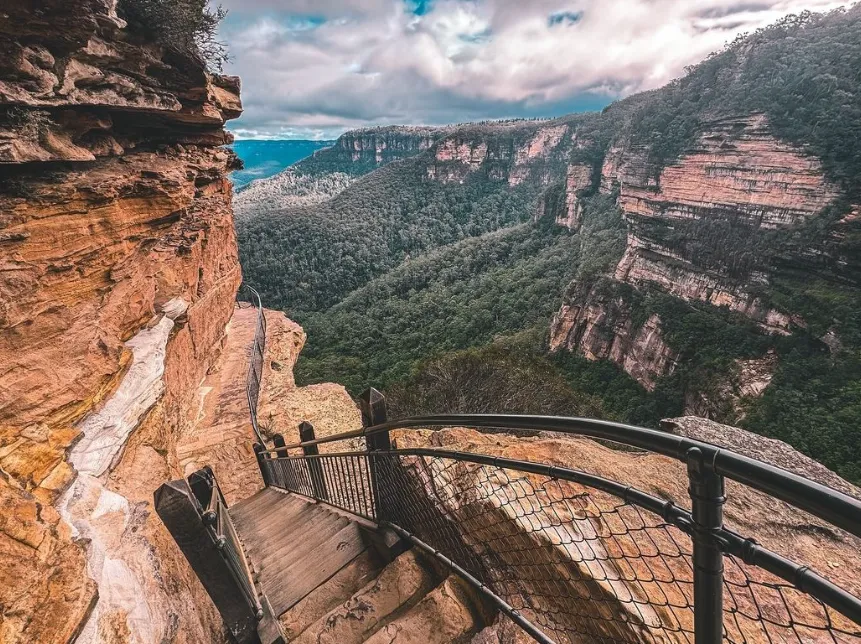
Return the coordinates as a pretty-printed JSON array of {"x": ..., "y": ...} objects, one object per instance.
[
  {"x": 509, "y": 152},
  {"x": 700, "y": 229},
  {"x": 118, "y": 272}
]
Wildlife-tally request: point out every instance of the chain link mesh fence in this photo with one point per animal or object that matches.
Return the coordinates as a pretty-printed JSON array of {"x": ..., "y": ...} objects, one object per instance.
[{"x": 581, "y": 564}]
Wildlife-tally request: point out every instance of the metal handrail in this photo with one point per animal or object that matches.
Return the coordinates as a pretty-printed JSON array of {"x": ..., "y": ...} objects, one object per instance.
[
  {"x": 745, "y": 549},
  {"x": 819, "y": 500},
  {"x": 216, "y": 517},
  {"x": 255, "y": 367}
]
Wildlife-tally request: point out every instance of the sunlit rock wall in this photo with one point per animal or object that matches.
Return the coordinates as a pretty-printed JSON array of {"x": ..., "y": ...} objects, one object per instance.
[{"x": 118, "y": 271}]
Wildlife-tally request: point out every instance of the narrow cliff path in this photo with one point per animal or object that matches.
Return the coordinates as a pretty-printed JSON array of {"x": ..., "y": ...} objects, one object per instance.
[{"x": 221, "y": 435}]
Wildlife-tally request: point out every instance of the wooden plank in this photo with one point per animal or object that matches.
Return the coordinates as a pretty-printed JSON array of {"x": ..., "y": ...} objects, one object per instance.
[
  {"x": 281, "y": 512},
  {"x": 317, "y": 567},
  {"x": 284, "y": 554},
  {"x": 259, "y": 503},
  {"x": 243, "y": 514},
  {"x": 275, "y": 524},
  {"x": 265, "y": 493},
  {"x": 313, "y": 530}
]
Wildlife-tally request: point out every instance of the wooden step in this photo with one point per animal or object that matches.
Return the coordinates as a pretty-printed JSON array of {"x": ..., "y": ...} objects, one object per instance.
[
  {"x": 286, "y": 589},
  {"x": 255, "y": 506},
  {"x": 294, "y": 544},
  {"x": 343, "y": 585},
  {"x": 309, "y": 529},
  {"x": 275, "y": 520}
]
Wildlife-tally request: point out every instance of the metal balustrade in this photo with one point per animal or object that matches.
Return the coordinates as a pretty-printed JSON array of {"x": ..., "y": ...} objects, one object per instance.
[
  {"x": 250, "y": 297},
  {"x": 217, "y": 520},
  {"x": 575, "y": 557}
]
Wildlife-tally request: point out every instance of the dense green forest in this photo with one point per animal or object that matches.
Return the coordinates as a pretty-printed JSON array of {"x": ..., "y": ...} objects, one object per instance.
[
  {"x": 459, "y": 296},
  {"x": 426, "y": 288},
  {"x": 307, "y": 259}
]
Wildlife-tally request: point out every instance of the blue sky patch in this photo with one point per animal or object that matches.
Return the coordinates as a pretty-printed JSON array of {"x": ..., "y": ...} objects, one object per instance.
[
  {"x": 419, "y": 7},
  {"x": 564, "y": 18},
  {"x": 477, "y": 38}
]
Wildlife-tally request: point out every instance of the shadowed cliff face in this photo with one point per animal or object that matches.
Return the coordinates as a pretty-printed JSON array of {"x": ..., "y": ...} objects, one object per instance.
[{"x": 118, "y": 271}]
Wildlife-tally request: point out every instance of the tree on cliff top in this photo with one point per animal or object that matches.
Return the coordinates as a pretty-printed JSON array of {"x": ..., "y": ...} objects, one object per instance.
[{"x": 187, "y": 26}]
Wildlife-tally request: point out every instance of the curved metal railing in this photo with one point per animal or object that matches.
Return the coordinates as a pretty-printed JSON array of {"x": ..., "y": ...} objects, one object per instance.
[
  {"x": 250, "y": 297},
  {"x": 572, "y": 556}
]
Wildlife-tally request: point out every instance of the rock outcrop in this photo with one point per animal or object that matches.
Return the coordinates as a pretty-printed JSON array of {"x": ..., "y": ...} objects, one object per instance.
[
  {"x": 382, "y": 145},
  {"x": 578, "y": 179},
  {"x": 509, "y": 151},
  {"x": 599, "y": 324},
  {"x": 118, "y": 271},
  {"x": 697, "y": 230}
]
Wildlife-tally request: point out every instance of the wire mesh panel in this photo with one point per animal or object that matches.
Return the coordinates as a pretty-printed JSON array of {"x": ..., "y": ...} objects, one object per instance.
[
  {"x": 760, "y": 607},
  {"x": 579, "y": 563},
  {"x": 581, "y": 558}
]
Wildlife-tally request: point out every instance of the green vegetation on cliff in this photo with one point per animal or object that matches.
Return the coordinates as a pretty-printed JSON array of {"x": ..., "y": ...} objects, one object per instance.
[
  {"x": 801, "y": 73},
  {"x": 308, "y": 259}
]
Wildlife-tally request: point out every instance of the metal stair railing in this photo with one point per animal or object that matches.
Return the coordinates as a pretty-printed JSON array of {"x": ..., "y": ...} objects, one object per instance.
[
  {"x": 250, "y": 297},
  {"x": 571, "y": 556},
  {"x": 220, "y": 526},
  {"x": 196, "y": 514}
]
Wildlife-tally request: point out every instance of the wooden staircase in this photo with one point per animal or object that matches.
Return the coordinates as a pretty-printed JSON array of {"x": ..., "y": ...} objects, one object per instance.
[
  {"x": 333, "y": 578},
  {"x": 294, "y": 545}
]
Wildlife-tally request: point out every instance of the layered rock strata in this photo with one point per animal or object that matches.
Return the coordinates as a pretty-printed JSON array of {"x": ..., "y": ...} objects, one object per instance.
[
  {"x": 118, "y": 271},
  {"x": 510, "y": 152},
  {"x": 382, "y": 145},
  {"x": 684, "y": 221}
]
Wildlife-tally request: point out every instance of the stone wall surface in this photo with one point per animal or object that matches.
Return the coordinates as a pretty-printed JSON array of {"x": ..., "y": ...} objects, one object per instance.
[{"x": 118, "y": 272}]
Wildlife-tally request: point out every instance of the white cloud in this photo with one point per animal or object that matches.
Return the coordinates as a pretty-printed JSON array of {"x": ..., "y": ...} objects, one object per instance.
[{"x": 317, "y": 67}]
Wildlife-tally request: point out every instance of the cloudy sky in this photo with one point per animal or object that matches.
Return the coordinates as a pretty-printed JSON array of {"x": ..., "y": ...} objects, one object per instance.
[{"x": 314, "y": 68}]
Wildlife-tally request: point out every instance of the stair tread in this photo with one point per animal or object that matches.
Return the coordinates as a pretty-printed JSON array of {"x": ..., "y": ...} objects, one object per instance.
[
  {"x": 274, "y": 518},
  {"x": 294, "y": 544},
  {"x": 258, "y": 504},
  {"x": 296, "y": 537},
  {"x": 322, "y": 562}
]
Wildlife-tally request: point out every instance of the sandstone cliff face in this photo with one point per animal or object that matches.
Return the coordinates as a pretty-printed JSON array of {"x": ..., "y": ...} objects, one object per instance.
[
  {"x": 510, "y": 152},
  {"x": 379, "y": 146},
  {"x": 118, "y": 271},
  {"x": 602, "y": 328},
  {"x": 579, "y": 178},
  {"x": 693, "y": 230}
]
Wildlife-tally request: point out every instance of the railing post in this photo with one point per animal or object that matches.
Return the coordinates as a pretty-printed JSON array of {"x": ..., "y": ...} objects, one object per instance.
[
  {"x": 315, "y": 469},
  {"x": 181, "y": 514},
  {"x": 373, "y": 406},
  {"x": 278, "y": 440},
  {"x": 707, "y": 499},
  {"x": 260, "y": 452}
]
